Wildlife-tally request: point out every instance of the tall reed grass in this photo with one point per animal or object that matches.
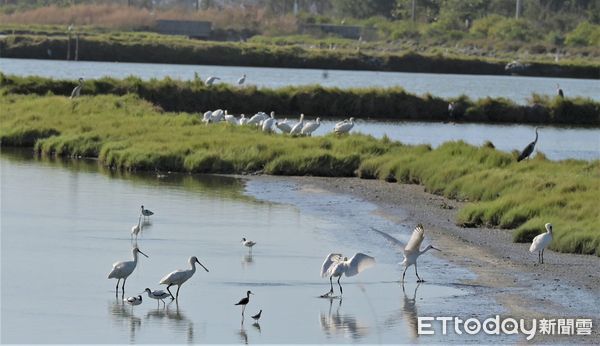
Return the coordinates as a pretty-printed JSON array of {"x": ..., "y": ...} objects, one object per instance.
[{"x": 128, "y": 133}]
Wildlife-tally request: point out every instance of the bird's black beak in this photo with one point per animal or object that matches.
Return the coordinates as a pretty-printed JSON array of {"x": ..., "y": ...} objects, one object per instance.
[
  {"x": 143, "y": 253},
  {"x": 202, "y": 265},
  {"x": 435, "y": 248}
]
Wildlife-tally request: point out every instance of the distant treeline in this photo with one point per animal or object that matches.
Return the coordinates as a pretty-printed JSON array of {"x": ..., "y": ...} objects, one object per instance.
[
  {"x": 375, "y": 103},
  {"x": 176, "y": 51}
]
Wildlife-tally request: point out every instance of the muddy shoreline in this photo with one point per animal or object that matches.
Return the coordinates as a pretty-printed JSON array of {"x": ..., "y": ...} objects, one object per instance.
[{"x": 566, "y": 286}]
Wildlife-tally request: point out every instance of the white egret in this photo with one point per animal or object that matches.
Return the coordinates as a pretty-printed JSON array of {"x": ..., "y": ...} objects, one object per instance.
[
  {"x": 541, "y": 241},
  {"x": 217, "y": 116},
  {"x": 159, "y": 295},
  {"x": 206, "y": 117},
  {"x": 298, "y": 126},
  {"x": 77, "y": 90},
  {"x": 310, "y": 127},
  {"x": 136, "y": 228},
  {"x": 268, "y": 123},
  {"x": 336, "y": 265},
  {"x": 344, "y": 126},
  {"x": 257, "y": 316},
  {"x": 242, "y": 79},
  {"x": 146, "y": 212},
  {"x": 529, "y": 148},
  {"x": 258, "y": 118},
  {"x": 283, "y": 126},
  {"x": 210, "y": 80},
  {"x": 230, "y": 118},
  {"x": 133, "y": 300},
  {"x": 122, "y": 270},
  {"x": 243, "y": 119},
  {"x": 244, "y": 302},
  {"x": 180, "y": 276},
  {"x": 248, "y": 243}
]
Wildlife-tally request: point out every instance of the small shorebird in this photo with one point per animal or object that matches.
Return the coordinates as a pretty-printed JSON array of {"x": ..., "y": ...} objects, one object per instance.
[
  {"x": 257, "y": 316},
  {"x": 147, "y": 212},
  {"x": 336, "y": 265},
  {"x": 180, "y": 276},
  {"x": 133, "y": 300},
  {"x": 248, "y": 243},
  {"x": 541, "y": 241},
  {"x": 122, "y": 270},
  {"x": 244, "y": 302},
  {"x": 159, "y": 295}
]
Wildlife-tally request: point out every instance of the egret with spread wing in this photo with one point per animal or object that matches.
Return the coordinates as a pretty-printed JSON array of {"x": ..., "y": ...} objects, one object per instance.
[{"x": 336, "y": 265}]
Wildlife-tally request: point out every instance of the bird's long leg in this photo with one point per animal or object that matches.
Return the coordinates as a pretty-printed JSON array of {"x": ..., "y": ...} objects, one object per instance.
[
  {"x": 331, "y": 290},
  {"x": 117, "y": 288},
  {"x": 539, "y": 257},
  {"x": 170, "y": 291},
  {"x": 341, "y": 291},
  {"x": 243, "y": 309},
  {"x": 418, "y": 277},
  {"x": 177, "y": 294},
  {"x": 404, "y": 274},
  {"x": 123, "y": 287},
  {"x": 542, "y": 256}
]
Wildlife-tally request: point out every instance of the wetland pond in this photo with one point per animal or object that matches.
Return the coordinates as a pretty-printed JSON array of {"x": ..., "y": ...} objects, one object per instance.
[{"x": 65, "y": 222}]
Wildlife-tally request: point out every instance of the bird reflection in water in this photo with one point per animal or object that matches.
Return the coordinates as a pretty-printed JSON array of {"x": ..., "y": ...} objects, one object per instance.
[
  {"x": 176, "y": 318},
  {"x": 335, "y": 323},
  {"x": 247, "y": 260},
  {"x": 409, "y": 310},
  {"x": 243, "y": 335},
  {"x": 123, "y": 315}
]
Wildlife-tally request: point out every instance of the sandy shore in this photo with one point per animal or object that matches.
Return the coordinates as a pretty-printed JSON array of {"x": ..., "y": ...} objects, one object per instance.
[{"x": 567, "y": 285}]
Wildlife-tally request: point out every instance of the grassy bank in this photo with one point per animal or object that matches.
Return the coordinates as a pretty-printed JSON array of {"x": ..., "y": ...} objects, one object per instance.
[
  {"x": 376, "y": 103},
  {"x": 153, "y": 48},
  {"x": 125, "y": 132}
]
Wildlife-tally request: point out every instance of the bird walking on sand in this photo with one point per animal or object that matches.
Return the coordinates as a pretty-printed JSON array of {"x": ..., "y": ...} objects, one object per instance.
[
  {"x": 336, "y": 265},
  {"x": 180, "y": 276},
  {"x": 159, "y": 295},
  {"x": 122, "y": 270},
  {"x": 244, "y": 301},
  {"x": 136, "y": 228},
  {"x": 257, "y": 316},
  {"x": 77, "y": 90},
  {"x": 529, "y": 148},
  {"x": 146, "y": 212},
  {"x": 541, "y": 241},
  {"x": 248, "y": 243}
]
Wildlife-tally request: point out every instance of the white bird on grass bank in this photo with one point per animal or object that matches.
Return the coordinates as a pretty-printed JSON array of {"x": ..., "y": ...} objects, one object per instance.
[
  {"x": 541, "y": 241},
  {"x": 310, "y": 127},
  {"x": 298, "y": 127},
  {"x": 336, "y": 265},
  {"x": 210, "y": 80},
  {"x": 344, "y": 126}
]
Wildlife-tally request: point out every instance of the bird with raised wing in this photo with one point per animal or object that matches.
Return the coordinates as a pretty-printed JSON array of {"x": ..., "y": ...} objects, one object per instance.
[
  {"x": 541, "y": 241},
  {"x": 335, "y": 265},
  {"x": 529, "y": 148},
  {"x": 180, "y": 276},
  {"x": 244, "y": 301},
  {"x": 122, "y": 270}
]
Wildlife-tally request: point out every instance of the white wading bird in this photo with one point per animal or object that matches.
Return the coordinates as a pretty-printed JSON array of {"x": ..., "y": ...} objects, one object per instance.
[
  {"x": 77, "y": 90},
  {"x": 344, "y": 126},
  {"x": 258, "y": 118},
  {"x": 133, "y": 300},
  {"x": 267, "y": 125},
  {"x": 178, "y": 277},
  {"x": 159, "y": 295},
  {"x": 217, "y": 116},
  {"x": 136, "y": 228},
  {"x": 231, "y": 119},
  {"x": 310, "y": 127},
  {"x": 283, "y": 126},
  {"x": 541, "y": 241},
  {"x": 121, "y": 270},
  {"x": 336, "y": 265},
  {"x": 210, "y": 80},
  {"x": 248, "y": 243},
  {"x": 243, "y": 119},
  {"x": 298, "y": 126},
  {"x": 412, "y": 248}
]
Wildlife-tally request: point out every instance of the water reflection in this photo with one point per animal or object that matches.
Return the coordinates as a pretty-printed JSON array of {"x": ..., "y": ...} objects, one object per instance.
[
  {"x": 175, "y": 319},
  {"x": 410, "y": 311},
  {"x": 247, "y": 260},
  {"x": 124, "y": 315},
  {"x": 242, "y": 334},
  {"x": 336, "y": 323},
  {"x": 257, "y": 326}
]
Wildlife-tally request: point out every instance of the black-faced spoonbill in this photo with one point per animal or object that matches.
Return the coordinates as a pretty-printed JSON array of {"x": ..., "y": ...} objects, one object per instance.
[
  {"x": 310, "y": 127},
  {"x": 77, "y": 90},
  {"x": 244, "y": 302},
  {"x": 298, "y": 126},
  {"x": 529, "y": 148},
  {"x": 344, "y": 126},
  {"x": 146, "y": 212},
  {"x": 122, "y": 270},
  {"x": 248, "y": 243},
  {"x": 159, "y": 295},
  {"x": 180, "y": 276},
  {"x": 541, "y": 241},
  {"x": 336, "y": 265}
]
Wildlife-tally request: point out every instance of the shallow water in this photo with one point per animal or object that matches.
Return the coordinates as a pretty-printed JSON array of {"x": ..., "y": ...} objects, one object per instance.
[
  {"x": 442, "y": 85},
  {"x": 64, "y": 224}
]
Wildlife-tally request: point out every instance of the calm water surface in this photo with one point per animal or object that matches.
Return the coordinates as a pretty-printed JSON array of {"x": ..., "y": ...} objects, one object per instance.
[
  {"x": 443, "y": 85},
  {"x": 63, "y": 225}
]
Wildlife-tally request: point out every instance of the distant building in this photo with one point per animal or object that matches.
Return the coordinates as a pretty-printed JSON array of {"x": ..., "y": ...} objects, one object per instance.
[{"x": 190, "y": 28}]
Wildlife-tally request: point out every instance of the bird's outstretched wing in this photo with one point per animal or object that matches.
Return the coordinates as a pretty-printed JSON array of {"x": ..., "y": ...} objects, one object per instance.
[
  {"x": 414, "y": 244},
  {"x": 358, "y": 263},
  {"x": 329, "y": 261},
  {"x": 396, "y": 242}
]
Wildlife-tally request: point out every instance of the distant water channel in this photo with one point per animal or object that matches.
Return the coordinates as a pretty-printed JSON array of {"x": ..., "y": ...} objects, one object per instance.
[{"x": 65, "y": 223}]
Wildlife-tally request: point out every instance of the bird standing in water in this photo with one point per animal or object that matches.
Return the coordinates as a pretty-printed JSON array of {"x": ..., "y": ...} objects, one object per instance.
[
  {"x": 336, "y": 265},
  {"x": 257, "y": 316},
  {"x": 244, "y": 301},
  {"x": 180, "y": 276},
  {"x": 146, "y": 212},
  {"x": 248, "y": 243},
  {"x": 122, "y": 270}
]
